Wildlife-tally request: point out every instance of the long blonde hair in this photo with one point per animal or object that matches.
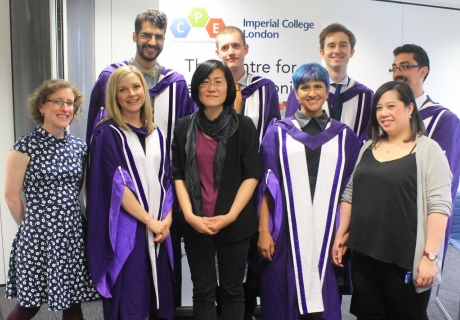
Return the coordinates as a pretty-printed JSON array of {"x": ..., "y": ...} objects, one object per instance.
[{"x": 113, "y": 107}]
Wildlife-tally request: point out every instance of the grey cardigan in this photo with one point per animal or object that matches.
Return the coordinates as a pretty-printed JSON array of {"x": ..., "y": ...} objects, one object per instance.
[{"x": 433, "y": 194}]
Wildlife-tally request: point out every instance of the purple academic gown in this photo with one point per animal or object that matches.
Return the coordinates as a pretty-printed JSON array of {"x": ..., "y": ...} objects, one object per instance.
[
  {"x": 357, "y": 105},
  {"x": 443, "y": 126},
  {"x": 170, "y": 99},
  {"x": 260, "y": 103},
  {"x": 300, "y": 278},
  {"x": 133, "y": 274}
]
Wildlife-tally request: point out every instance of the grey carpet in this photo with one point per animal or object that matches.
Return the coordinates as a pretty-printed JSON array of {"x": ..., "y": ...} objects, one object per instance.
[{"x": 449, "y": 295}]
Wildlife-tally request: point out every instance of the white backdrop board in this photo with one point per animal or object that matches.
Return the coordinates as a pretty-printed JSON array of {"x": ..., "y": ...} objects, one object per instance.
[{"x": 281, "y": 37}]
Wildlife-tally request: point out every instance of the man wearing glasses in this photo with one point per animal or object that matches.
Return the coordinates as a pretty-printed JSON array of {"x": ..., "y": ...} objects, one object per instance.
[
  {"x": 168, "y": 89},
  {"x": 412, "y": 65},
  {"x": 168, "y": 92}
]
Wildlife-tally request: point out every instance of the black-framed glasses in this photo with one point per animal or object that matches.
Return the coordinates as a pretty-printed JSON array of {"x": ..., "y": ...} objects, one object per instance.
[
  {"x": 58, "y": 103},
  {"x": 148, "y": 36},
  {"x": 207, "y": 84},
  {"x": 404, "y": 67}
]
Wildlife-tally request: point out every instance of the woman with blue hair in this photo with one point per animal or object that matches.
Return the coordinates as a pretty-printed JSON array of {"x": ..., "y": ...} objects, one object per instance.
[{"x": 307, "y": 160}]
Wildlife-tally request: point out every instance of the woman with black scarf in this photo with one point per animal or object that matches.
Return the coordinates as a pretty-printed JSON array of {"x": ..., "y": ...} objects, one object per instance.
[{"x": 216, "y": 168}]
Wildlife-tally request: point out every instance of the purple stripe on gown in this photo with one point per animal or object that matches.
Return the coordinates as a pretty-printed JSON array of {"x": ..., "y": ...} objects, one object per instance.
[
  {"x": 268, "y": 104},
  {"x": 124, "y": 270},
  {"x": 278, "y": 283},
  {"x": 445, "y": 130}
]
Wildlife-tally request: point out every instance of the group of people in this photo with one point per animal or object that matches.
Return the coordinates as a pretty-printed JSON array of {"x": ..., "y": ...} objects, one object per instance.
[{"x": 347, "y": 193}]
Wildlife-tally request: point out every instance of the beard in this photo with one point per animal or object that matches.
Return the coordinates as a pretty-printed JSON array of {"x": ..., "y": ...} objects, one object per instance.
[{"x": 140, "y": 51}]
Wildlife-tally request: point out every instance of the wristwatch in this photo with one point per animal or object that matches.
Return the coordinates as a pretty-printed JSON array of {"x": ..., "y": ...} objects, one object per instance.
[{"x": 430, "y": 255}]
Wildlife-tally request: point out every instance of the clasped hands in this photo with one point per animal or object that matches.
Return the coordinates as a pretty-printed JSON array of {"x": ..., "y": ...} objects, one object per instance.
[
  {"x": 160, "y": 229},
  {"x": 209, "y": 225}
]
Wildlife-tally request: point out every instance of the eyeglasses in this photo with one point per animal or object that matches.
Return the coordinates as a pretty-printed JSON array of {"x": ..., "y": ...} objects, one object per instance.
[
  {"x": 404, "y": 67},
  {"x": 58, "y": 103},
  {"x": 207, "y": 84},
  {"x": 148, "y": 36}
]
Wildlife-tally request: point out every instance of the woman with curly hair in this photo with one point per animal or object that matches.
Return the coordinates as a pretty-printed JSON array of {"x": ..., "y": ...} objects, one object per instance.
[{"x": 48, "y": 262}]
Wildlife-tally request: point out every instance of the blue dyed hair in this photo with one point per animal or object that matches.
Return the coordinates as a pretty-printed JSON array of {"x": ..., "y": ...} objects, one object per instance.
[{"x": 310, "y": 72}]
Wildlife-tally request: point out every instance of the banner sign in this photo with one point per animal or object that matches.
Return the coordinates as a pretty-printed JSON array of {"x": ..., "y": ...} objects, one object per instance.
[{"x": 281, "y": 35}]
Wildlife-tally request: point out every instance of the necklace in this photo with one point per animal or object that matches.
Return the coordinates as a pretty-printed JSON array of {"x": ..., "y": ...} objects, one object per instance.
[{"x": 388, "y": 149}]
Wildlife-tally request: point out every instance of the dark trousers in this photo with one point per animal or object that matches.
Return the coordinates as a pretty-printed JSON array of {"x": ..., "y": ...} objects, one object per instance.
[
  {"x": 380, "y": 291},
  {"x": 231, "y": 259}
]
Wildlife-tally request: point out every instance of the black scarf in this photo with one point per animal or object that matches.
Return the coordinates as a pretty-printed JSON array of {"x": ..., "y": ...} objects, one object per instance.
[{"x": 221, "y": 129}]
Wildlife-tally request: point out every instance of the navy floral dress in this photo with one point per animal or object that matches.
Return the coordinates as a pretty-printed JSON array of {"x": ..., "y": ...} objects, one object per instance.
[{"x": 48, "y": 256}]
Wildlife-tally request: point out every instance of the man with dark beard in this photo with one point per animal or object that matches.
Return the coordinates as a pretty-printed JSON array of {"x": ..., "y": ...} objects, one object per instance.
[
  {"x": 412, "y": 65},
  {"x": 168, "y": 93},
  {"x": 168, "y": 89}
]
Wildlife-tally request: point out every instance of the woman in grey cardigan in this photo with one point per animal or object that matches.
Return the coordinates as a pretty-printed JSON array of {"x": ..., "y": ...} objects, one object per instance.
[{"x": 394, "y": 212}]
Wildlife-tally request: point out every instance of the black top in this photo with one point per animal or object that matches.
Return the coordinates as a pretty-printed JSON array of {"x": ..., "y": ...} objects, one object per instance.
[
  {"x": 312, "y": 126},
  {"x": 141, "y": 138},
  {"x": 241, "y": 162},
  {"x": 384, "y": 209}
]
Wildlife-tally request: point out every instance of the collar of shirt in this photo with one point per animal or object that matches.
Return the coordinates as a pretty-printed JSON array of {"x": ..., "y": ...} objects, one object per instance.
[
  {"x": 243, "y": 81},
  {"x": 151, "y": 81},
  {"x": 303, "y": 119},
  {"x": 344, "y": 82},
  {"x": 420, "y": 101}
]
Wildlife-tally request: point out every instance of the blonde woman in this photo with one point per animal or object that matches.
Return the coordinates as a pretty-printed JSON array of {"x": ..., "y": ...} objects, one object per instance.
[{"x": 129, "y": 205}]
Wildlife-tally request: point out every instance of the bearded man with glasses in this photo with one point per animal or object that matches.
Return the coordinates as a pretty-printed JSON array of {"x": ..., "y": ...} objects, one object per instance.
[
  {"x": 169, "y": 96},
  {"x": 412, "y": 65},
  {"x": 168, "y": 89}
]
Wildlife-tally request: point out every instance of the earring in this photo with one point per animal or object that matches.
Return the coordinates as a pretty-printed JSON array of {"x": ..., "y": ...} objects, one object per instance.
[
  {"x": 410, "y": 117},
  {"x": 42, "y": 114}
]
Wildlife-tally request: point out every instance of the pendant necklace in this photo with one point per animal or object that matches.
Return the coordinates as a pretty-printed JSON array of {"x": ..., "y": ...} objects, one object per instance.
[{"x": 391, "y": 148}]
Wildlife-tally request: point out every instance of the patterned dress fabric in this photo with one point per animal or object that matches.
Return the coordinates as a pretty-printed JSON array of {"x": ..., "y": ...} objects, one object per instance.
[{"x": 48, "y": 257}]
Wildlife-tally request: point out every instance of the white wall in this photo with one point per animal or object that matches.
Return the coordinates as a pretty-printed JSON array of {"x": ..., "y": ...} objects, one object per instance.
[
  {"x": 114, "y": 29},
  {"x": 7, "y": 224},
  {"x": 380, "y": 27}
]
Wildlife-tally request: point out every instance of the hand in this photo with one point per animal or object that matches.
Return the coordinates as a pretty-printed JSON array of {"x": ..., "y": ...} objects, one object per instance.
[
  {"x": 426, "y": 273},
  {"x": 266, "y": 245},
  {"x": 198, "y": 223},
  {"x": 159, "y": 228},
  {"x": 338, "y": 249},
  {"x": 217, "y": 223}
]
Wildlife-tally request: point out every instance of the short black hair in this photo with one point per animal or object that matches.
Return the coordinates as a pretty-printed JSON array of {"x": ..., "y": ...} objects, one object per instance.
[
  {"x": 420, "y": 55},
  {"x": 203, "y": 70}
]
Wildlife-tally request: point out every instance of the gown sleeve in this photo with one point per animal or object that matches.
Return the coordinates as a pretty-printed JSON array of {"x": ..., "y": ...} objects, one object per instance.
[{"x": 111, "y": 230}]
